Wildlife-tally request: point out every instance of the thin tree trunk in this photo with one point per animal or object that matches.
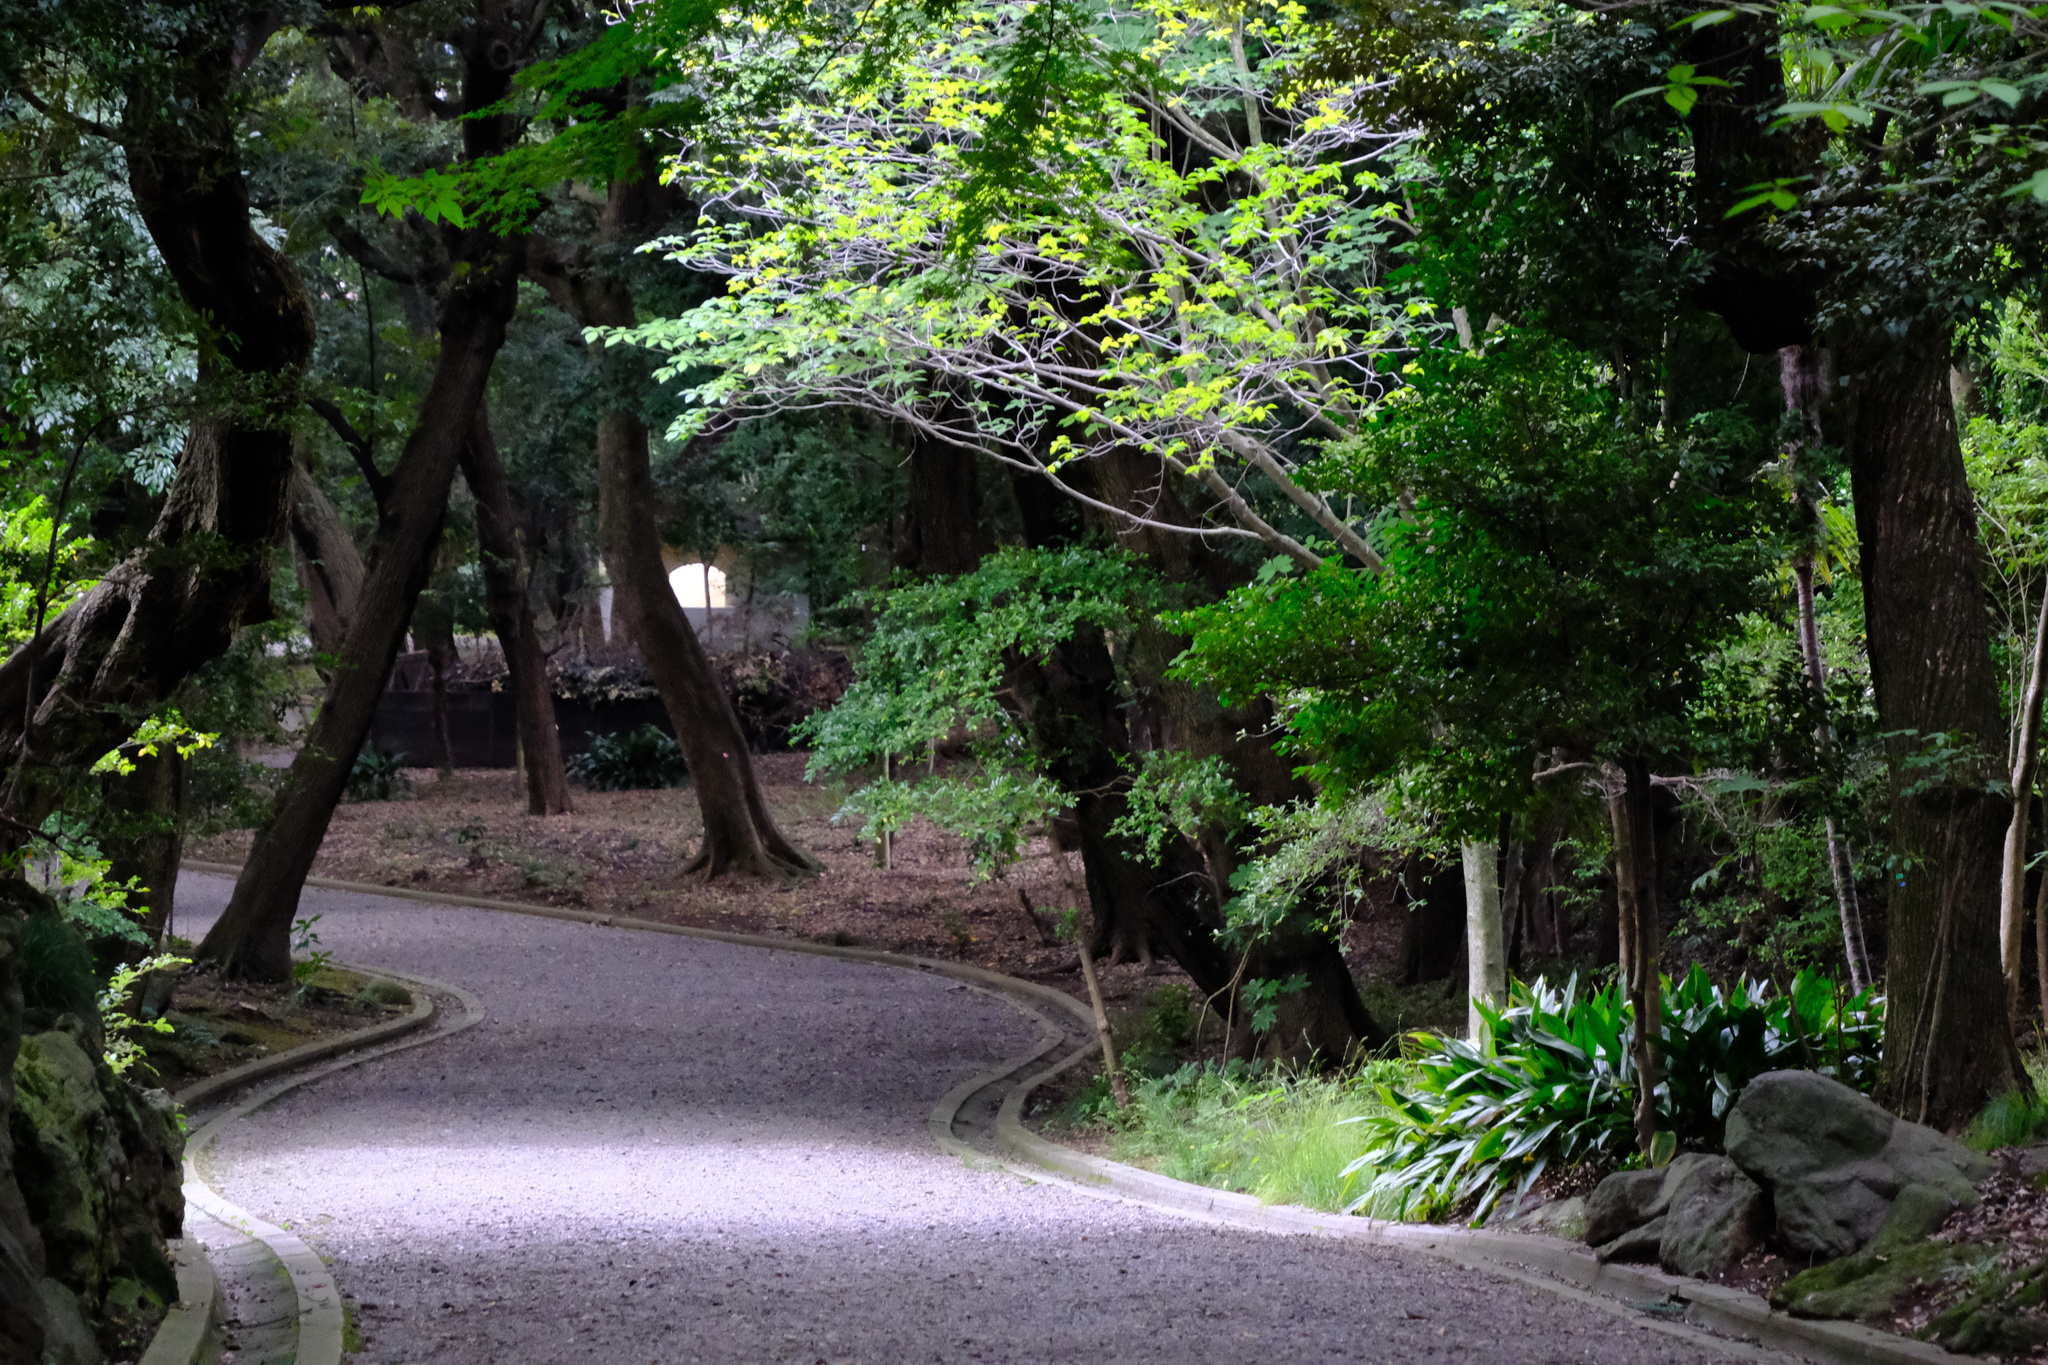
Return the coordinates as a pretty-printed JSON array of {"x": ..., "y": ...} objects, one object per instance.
[
  {"x": 1635, "y": 885},
  {"x": 1840, "y": 866},
  {"x": 433, "y": 630},
  {"x": 2012, "y": 887},
  {"x": 739, "y": 833},
  {"x": 498, "y": 551},
  {"x": 1948, "y": 1043},
  {"x": 1486, "y": 972},
  {"x": 252, "y": 938},
  {"x": 330, "y": 570}
]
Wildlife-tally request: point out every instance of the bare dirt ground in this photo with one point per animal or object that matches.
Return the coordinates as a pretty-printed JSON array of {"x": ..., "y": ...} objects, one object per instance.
[{"x": 623, "y": 853}]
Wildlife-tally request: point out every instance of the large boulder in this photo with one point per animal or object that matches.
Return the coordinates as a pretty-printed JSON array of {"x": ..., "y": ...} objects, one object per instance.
[
  {"x": 1835, "y": 1162},
  {"x": 1697, "y": 1216},
  {"x": 98, "y": 1161}
]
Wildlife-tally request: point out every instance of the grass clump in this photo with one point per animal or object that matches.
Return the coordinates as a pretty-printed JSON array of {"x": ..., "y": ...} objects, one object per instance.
[
  {"x": 1285, "y": 1138},
  {"x": 2016, "y": 1117}
]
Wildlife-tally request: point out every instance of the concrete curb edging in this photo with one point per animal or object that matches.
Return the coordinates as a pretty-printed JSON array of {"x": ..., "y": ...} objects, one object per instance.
[
  {"x": 181, "y": 1336},
  {"x": 1728, "y": 1312},
  {"x": 322, "y": 1324},
  {"x": 262, "y": 1068},
  {"x": 1557, "y": 1265}
]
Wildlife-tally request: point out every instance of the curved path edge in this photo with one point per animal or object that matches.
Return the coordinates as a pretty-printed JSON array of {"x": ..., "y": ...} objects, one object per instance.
[
  {"x": 322, "y": 1323},
  {"x": 1558, "y": 1266}
]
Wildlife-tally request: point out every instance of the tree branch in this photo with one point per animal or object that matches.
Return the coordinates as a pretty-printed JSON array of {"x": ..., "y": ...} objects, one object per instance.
[{"x": 358, "y": 446}]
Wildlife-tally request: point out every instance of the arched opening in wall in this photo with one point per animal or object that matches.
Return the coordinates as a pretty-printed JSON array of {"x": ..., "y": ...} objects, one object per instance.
[{"x": 698, "y": 585}]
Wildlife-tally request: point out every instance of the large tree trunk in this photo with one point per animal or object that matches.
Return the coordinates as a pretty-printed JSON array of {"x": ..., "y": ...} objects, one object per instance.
[
  {"x": 497, "y": 537},
  {"x": 253, "y": 935},
  {"x": 1948, "y": 1041},
  {"x": 739, "y": 834},
  {"x": 165, "y": 610}
]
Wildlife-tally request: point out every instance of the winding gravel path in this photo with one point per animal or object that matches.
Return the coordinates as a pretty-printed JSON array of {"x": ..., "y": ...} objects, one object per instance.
[{"x": 660, "y": 1149}]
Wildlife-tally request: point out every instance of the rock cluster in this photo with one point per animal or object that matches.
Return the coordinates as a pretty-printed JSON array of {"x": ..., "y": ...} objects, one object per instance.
[
  {"x": 1821, "y": 1169},
  {"x": 90, "y": 1175}
]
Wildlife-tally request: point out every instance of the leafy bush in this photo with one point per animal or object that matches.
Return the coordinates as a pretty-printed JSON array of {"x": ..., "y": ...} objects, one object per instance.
[
  {"x": 378, "y": 776},
  {"x": 641, "y": 761},
  {"x": 1556, "y": 1084}
]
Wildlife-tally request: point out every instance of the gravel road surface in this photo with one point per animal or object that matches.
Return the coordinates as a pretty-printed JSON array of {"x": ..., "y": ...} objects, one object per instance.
[{"x": 665, "y": 1150}]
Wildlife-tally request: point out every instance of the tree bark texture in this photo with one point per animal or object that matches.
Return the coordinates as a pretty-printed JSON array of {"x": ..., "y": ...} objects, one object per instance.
[
  {"x": 204, "y": 571},
  {"x": 253, "y": 935},
  {"x": 1486, "y": 971},
  {"x": 1948, "y": 1042},
  {"x": 511, "y": 608},
  {"x": 739, "y": 833}
]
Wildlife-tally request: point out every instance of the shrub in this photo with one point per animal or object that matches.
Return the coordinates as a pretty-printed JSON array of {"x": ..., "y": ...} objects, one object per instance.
[
  {"x": 378, "y": 776},
  {"x": 1556, "y": 1084},
  {"x": 640, "y": 761}
]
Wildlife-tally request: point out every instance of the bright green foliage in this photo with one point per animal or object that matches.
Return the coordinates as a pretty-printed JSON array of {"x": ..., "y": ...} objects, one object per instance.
[
  {"x": 157, "y": 732},
  {"x": 933, "y": 667},
  {"x": 1717, "y": 1039},
  {"x": 1555, "y": 1083},
  {"x": 1310, "y": 866},
  {"x": 1197, "y": 309},
  {"x": 1177, "y": 795},
  {"x": 120, "y": 1027},
  {"x": 643, "y": 760},
  {"x": 934, "y": 662},
  {"x": 1555, "y": 573},
  {"x": 67, "y": 867}
]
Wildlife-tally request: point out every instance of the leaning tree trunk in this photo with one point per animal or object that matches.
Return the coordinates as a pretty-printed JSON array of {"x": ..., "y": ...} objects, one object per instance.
[
  {"x": 253, "y": 935},
  {"x": 1948, "y": 1041},
  {"x": 739, "y": 834},
  {"x": 497, "y": 538}
]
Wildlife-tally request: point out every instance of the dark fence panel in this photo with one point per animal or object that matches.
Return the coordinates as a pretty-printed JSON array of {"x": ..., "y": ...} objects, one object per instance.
[{"x": 483, "y": 727}]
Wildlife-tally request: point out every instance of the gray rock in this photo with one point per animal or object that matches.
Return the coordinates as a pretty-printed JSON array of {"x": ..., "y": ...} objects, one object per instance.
[
  {"x": 1622, "y": 1202},
  {"x": 1637, "y": 1244},
  {"x": 66, "y": 1338},
  {"x": 1714, "y": 1216},
  {"x": 1835, "y": 1161}
]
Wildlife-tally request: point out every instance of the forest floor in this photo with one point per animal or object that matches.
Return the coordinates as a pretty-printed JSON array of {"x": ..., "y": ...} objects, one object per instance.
[
  {"x": 623, "y": 853},
  {"x": 218, "y": 1024}
]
